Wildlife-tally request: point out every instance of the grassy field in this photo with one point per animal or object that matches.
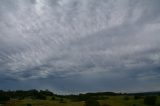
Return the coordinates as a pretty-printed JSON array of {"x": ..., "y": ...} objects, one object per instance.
[
  {"x": 121, "y": 101},
  {"x": 109, "y": 101},
  {"x": 42, "y": 103}
]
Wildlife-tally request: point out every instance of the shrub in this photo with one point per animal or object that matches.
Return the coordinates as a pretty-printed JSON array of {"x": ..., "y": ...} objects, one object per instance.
[
  {"x": 134, "y": 105},
  {"x": 62, "y": 100},
  {"x": 53, "y": 98},
  {"x": 29, "y": 104},
  {"x": 41, "y": 97},
  {"x": 136, "y": 97},
  {"x": 91, "y": 102},
  {"x": 105, "y": 105},
  {"x": 3, "y": 99},
  {"x": 150, "y": 100},
  {"x": 126, "y": 98}
]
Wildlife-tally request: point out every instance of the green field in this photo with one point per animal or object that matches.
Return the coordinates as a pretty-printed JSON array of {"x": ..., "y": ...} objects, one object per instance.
[
  {"x": 120, "y": 100},
  {"x": 47, "y": 98}
]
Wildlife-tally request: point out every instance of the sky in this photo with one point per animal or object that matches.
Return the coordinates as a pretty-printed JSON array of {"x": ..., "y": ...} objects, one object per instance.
[{"x": 72, "y": 46}]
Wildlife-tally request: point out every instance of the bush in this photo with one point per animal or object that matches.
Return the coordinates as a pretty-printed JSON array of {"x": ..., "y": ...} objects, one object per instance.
[
  {"x": 91, "y": 102},
  {"x": 105, "y": 105},
  {"x": 41, "y": 97},
  {"x": 134, "y": 105},
  {"x": 29, "y": 104},
  {"x": 126, "y": 98},
  {"x": 136, "y": 97},
  {"x": 62, "y": 100},
  {"x": 53, "y": 98},
  {"x": 3, "y": 99},
  {"x": 150, "y": 100}
]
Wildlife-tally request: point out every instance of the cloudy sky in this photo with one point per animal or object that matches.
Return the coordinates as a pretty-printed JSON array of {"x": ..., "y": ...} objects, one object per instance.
[{"x": 80, "y": 45}]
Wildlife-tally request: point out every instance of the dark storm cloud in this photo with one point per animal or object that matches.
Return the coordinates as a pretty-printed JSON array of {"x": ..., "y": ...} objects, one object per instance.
[{"x": 113, "y": 43}]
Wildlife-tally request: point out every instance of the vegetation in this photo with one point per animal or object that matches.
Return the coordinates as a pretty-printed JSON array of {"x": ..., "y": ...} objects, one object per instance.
[
  {"x": 91, "y": 102},
  {"x": 29, "y": 104},
  {"x": 47, "y": 98},
  {"x": 150, "y": 100}
]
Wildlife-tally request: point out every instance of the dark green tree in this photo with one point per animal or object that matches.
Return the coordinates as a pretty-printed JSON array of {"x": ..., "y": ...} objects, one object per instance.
[
  {"x": 105, "y": 105},
  {"x": 3, "y": 99},
  {"x": 29, "y": 104},
  {"x": 91, "y": 102},
  {"x": 136, "y": 97},
  {"x": 126, "y": 98},
  {"x": 150, "y": 100},
  {"x": 53, "y": 98}
]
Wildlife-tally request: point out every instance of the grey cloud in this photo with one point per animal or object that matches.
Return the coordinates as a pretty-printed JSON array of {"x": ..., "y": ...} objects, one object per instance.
[{"x": 104, "y": 40}]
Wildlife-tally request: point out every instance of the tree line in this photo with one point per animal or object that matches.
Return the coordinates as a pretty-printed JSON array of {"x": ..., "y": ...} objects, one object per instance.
[{"x": 91, "y": 99}]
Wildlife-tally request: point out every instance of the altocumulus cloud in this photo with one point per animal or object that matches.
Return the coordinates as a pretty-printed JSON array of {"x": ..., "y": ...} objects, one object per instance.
[{"x": 81, "y": 45}]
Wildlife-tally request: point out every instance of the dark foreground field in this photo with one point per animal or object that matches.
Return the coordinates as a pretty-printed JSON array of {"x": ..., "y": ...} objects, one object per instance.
[{"x": 47, "y": 98}]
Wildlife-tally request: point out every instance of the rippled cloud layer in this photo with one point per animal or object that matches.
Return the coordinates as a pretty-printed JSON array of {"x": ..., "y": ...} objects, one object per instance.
[{"x": 103, "y": 44}]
